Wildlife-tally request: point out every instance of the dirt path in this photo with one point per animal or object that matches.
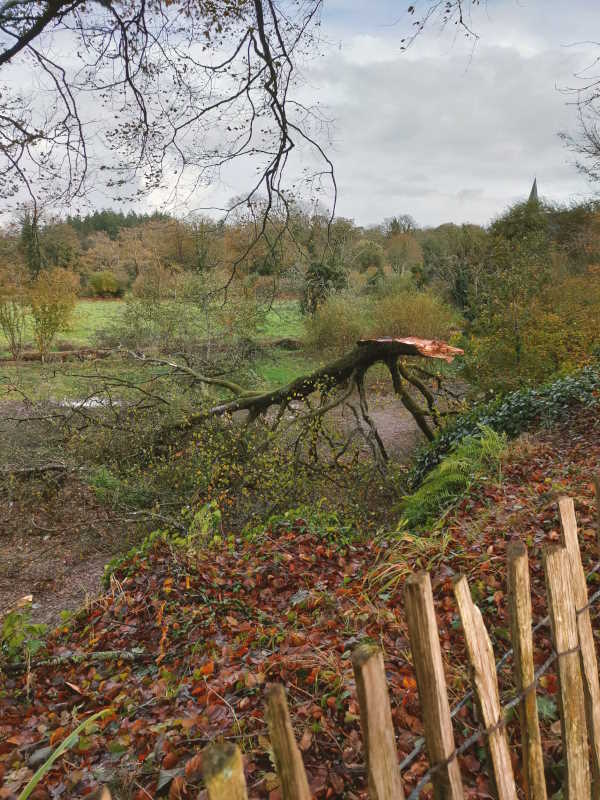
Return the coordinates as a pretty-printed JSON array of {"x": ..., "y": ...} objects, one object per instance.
[
  {"x": 55, "y": 539},
  {"x": 397, "y": 428}
]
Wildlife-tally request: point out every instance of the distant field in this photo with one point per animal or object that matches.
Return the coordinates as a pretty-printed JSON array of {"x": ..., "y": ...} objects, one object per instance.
[
  {"x": 43, "y": 382},
  {"x": 91, "y": 316},
  {"x": 73, "y": 380},
  {"x": 284, "y": 320}
]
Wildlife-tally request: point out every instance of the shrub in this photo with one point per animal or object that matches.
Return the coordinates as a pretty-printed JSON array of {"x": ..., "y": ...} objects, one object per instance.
[
  {"x": 20, "y": 638},
  {"x": 512, "y": 414},
  {"x": 412, "y": 313},
  {"x": 13, "y": 315},
  {"x": 105, "y": 284},
  {"x": 193, "y": 316},
  {"x": 337, "y": 325},
  {"x": 53, "y": 296}
]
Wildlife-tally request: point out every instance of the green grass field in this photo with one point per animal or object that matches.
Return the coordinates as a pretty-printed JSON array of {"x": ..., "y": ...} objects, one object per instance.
[
  {"x": 283, "y": 321},
  {"x": 74, "y": 379},
  {"x": 92, "y": 316}
]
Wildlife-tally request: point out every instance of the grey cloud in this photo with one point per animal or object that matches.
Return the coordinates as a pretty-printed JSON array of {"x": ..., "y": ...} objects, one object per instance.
[{"x": 446, "y": 131}]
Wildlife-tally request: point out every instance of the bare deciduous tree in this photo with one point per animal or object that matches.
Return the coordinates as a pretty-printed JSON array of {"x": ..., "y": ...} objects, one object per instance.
[{"x": 184, "y": 88}]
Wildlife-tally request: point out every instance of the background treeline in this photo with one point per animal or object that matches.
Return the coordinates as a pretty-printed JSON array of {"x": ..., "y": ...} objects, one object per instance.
[{"x": 521, "y": 295}]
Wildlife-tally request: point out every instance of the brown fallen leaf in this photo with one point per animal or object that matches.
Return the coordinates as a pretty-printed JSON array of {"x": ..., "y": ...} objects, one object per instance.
[{"x": 306, "y": 740}]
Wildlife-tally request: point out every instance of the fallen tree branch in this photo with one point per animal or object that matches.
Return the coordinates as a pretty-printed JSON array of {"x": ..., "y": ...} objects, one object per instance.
[
  {"x": 347, "y": 370},
  {"x": 223, "y": 383},
  {"x": 36, "y": 470},
  {"x": 367, "y": 353},
  {"x": 58, "y": 355},
  {"x": 78, "y": 658}
]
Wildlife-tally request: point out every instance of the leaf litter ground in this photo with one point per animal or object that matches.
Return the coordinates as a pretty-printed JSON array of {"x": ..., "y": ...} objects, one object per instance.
[{"x": 206, "y": 631}]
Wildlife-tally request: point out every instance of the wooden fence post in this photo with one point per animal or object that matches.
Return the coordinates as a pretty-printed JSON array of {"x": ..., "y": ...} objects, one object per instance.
[
  {"x": 519, "y": 602},
  {"x": 381, "y": 755},
  {"x": 224, "y": 772},
  {"x": 481, "y": 658},
  {"x": 429, "y": 668},
  {"x": 589, "y": 664},
  {"x": 288, "y": 759},
  {"x": 561, "y": 604}
]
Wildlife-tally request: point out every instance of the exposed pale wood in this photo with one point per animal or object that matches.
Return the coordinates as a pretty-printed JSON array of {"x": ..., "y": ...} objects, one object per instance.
[
  {"x": 224, "y": 772},
  {"x": 105, "y": 794},
  {"x": 288, "y": 759},
  {"x": 589, "y": 663},
  {"x": 561, "y": 603},
  {"x": 429, "y": 668},
  {"x": 481, "y": 658},
  {"x": 381, "y": 756},
  {"x": 519, "y": 601}
]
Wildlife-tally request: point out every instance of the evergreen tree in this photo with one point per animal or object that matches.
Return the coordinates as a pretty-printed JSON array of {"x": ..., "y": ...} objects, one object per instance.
[{"x": 30, "y": 243}]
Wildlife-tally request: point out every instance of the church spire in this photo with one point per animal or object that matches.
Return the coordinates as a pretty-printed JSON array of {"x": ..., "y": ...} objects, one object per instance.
[{"x": 533, "y": 194}]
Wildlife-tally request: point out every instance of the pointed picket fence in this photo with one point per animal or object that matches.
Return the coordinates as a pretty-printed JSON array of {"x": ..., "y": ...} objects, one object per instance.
[{"x": 579, "y": 694}]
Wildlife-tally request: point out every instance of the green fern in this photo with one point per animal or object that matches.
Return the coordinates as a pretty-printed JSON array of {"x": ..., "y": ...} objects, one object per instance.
[{"x": 453, "y": 476}]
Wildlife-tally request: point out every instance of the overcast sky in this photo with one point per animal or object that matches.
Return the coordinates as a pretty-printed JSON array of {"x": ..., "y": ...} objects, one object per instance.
[{"x": 448, "y": 131}]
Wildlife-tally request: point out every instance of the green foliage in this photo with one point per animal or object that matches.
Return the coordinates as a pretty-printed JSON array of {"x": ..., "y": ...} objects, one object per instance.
[
  {"x": 396, "y": 309},
  {"x": 337, "y": 325},
  {"x": 20, "y": 638},
  {"x": 116, "y": 491},
  {"x": 323, "y": 278},
  {"x": 53, "y": 297},
  {"x": 529, "y": 340},
  {"x": 547, "y": 708},
  {"x": 180, "y": 313},
  {"x": 472, "y": 457},
  {"x": 111, "y": 222},
  {"x": 206, "y": 524},
  {"x": 512, "y": 414},
  {"x": 318, "y": 519},
  {"x": 522, "y": 221},
  {"x": 368, "y": 255},
  {"x": 105, "y": 284},
  {"x": 453, "y": 260},
  {"x": 412, "y": 313},
  {"x": 30, "y": 244},
  {"x": 13, "y": 316}
]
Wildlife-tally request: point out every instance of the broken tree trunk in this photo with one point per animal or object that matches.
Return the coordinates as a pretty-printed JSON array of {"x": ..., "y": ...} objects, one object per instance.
[
  {"x": 347, "y": 371},
  {"x": 367, "y": 353}
]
